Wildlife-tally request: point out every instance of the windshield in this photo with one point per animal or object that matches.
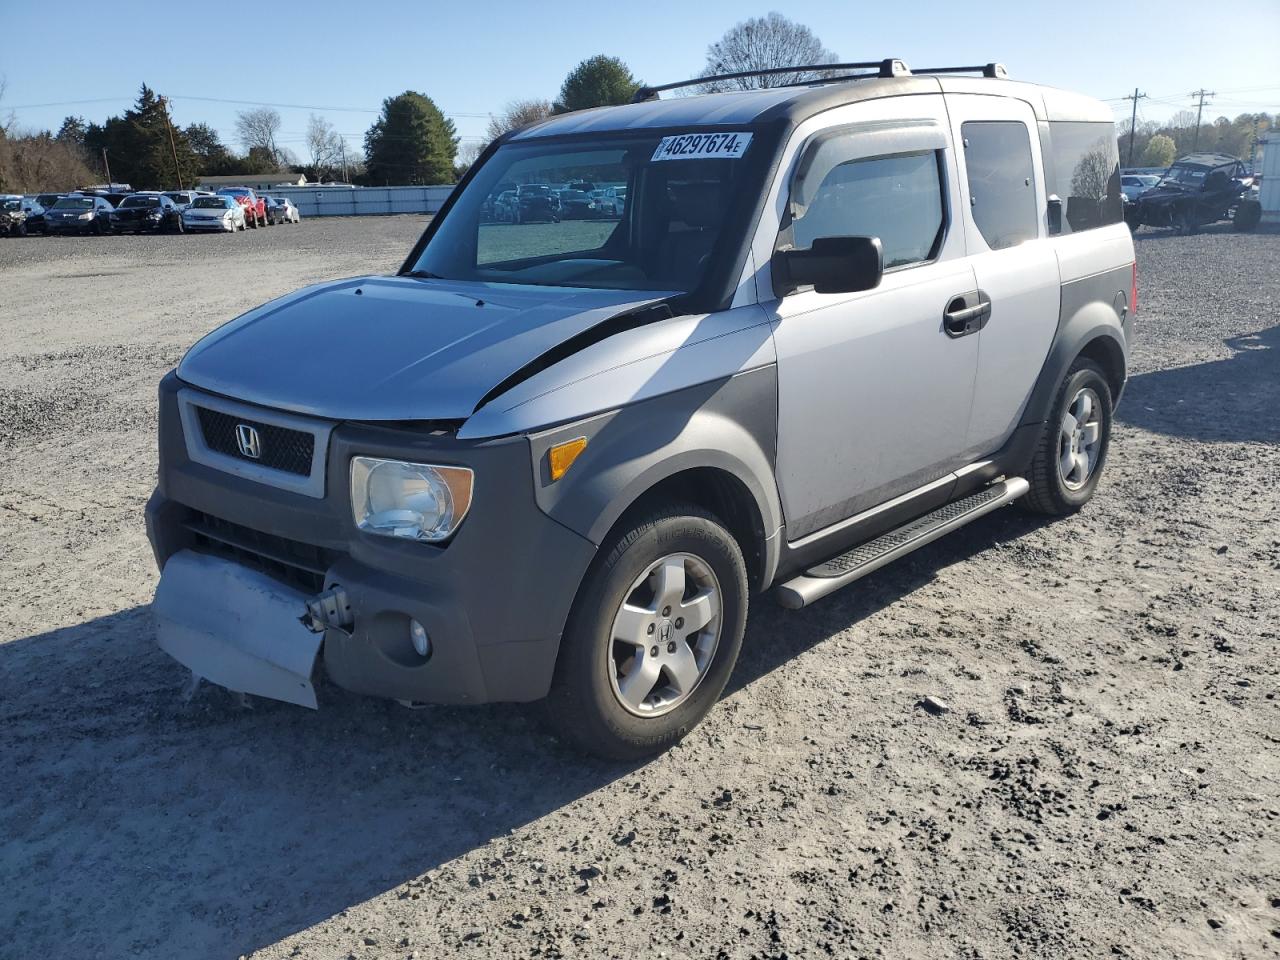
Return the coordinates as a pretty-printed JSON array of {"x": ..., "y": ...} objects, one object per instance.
[
  {"x": 141, "y": 202},
  {"x": 74, "y": 203},
  {"x": 203, "y": 203},
  {"x": 11, "y": 205},
  {"x": 1188, "y": 174},
  {"x": 665, "y": 240},
  {"x": 179, "y": 197}
]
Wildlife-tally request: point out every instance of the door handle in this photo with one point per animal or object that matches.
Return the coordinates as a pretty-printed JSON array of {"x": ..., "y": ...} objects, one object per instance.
[{"x": 962, "y": 318}]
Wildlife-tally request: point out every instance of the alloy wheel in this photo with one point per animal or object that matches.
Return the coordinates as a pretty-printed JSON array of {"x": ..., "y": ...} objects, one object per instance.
[
  {"x": 664, "y": 636},
  {"x": 1080, "y": 439}
]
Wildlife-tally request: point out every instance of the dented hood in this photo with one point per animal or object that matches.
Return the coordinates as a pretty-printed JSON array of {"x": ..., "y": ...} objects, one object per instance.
[{"x": 394, "y": 348}]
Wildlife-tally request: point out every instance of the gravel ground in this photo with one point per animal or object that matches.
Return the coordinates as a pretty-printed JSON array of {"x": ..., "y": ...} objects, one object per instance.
[{"x": 1107, "y": 781}]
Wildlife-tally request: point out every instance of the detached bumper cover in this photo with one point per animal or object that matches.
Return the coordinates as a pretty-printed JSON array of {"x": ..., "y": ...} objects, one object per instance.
[{"x": 236, "y": 627}]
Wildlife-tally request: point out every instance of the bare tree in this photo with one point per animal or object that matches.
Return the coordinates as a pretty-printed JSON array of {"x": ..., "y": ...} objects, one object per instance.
[
  {"x": 323, "y": 144},
  {"x": 258, "y": 128},
  {"x": 517, "y": 113},
  {"x": 765, "y": 43}
]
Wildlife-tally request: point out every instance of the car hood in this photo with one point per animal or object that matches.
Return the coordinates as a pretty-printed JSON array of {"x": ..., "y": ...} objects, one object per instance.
[{"x": 394, "y": 348}]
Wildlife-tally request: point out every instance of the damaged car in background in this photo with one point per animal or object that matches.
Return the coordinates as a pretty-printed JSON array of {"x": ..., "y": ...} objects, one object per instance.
[{"x": 1197, "y": 190}]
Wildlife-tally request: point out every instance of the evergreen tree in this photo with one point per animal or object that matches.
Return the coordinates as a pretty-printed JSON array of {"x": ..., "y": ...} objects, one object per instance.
[
  {"x": 412, "y": 142},
  {"x": 596, "y": 82},
  {"x": 138, "y": 147}
]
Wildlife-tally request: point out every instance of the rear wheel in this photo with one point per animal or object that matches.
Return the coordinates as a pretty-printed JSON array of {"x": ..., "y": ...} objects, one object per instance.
[
  {"x": 653, "y": 635},
  {"x": 1073, "y": 449}
]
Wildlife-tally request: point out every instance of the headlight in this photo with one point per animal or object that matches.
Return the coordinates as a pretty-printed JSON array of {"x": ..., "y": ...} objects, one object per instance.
[
  {"x": 415, "y": 501},
  {"x": 85, "y": 216}
]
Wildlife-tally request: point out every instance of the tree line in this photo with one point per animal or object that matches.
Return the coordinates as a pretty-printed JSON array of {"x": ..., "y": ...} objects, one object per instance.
[{"x": 413, "y": 142}]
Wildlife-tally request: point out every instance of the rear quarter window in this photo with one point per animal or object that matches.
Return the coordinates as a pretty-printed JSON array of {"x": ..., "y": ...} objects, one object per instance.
[{"x": 1085, "y": 174}]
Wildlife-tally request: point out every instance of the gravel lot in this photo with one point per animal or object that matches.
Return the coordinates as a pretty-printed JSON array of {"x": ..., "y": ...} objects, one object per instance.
[{"x": 1107, "y": 782}]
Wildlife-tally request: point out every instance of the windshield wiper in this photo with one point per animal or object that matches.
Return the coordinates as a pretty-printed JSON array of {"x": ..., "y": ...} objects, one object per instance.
[{"x": 425, "y": 275}]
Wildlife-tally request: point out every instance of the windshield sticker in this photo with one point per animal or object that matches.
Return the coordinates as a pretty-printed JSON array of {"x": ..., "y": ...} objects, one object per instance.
[{"x": 702, "y": 146}]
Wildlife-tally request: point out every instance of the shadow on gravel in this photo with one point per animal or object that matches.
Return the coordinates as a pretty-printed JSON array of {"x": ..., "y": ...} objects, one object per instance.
[
  {"x": 1233, "y": 400},
  {"x": 202, "y": 828}
]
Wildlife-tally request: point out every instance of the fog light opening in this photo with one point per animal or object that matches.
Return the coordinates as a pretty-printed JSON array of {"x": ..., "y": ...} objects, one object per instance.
[{"x": 421, "y": 642}]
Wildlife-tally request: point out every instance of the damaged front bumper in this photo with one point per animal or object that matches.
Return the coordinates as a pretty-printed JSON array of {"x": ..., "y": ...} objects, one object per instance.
[
  {"x": 251, "y": 558},
  {"x": 236, "y": 627}
]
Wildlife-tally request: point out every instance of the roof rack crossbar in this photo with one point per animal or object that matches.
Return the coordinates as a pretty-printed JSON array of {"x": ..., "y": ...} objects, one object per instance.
[
  {"x": 883, "y": 68},
  {"x": 992, "y": 71}
]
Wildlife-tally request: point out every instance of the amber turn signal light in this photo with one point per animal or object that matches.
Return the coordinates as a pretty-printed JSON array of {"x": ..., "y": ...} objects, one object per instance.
[{"x": 560, "y": 457}]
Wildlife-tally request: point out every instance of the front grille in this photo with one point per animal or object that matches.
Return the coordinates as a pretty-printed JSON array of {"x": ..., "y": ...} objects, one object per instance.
[
  {"x": 298, "y": 564},
  {"x": 281, "y": 448}
]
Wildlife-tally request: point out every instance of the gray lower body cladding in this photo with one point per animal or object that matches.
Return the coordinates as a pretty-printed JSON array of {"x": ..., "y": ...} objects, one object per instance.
[{"x": 493, "y": 600}]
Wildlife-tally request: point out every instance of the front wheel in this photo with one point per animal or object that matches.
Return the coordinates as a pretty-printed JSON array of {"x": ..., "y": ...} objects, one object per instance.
[
  {"x": 1073, "y": 449},
  {"x": 653, "y": 635}
]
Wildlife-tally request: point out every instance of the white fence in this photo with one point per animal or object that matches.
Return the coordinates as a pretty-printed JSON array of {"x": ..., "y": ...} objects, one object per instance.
[{"x": 363, "y": 201}]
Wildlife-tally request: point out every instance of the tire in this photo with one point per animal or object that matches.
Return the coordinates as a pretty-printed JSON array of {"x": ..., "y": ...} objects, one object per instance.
[
  {"x": 586, "y": 703},
  {"x": 1184, "y": 223},
  {"x": 1247, "y": 216},
  {"x": 1054, "y": 491}
]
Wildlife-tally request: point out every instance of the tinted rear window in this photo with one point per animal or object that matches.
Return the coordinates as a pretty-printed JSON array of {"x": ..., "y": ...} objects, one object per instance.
[
  {"x": 1002, "y": 185},
  {"x": 1086, "y": 174}
]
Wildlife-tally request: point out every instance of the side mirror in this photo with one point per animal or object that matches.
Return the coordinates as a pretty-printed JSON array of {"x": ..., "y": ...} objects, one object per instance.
[
  {"x": 1055, "y": 214},
  {"x": 830, "y": 265}
]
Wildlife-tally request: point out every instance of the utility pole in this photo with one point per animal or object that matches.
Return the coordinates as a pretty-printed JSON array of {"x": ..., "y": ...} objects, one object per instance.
[
  {"x": 110, "y": 186},
  {"x": 344, "y": 160},
  {"x": 1133, "y": 121},
  {"x": 164, "y": 102},
  {"x": 1201, "y": 93}
]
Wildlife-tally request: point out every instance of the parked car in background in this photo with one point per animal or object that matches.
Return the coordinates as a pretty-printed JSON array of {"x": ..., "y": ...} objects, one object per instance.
[
  {"x": 214, "y": 213},
  {"x": 13, "y": 219},
  {"x": 535, "y": 202},
  {"x": 78, "y": 213},
  {"x": 615, "y": 201},
  {"x": 255, "y": 208},
  {"x": 182, "y": 198},
  {"x": 37, "y": 207},
  {"x": 1199, "y": 189},
  {"x": 578, "y": 205},
  {"x": 149, "y": 212},
  {"x": 281, "y": 210},
  {"x": 1134, "y": 185},
  {"x": 504, "y": 207}
]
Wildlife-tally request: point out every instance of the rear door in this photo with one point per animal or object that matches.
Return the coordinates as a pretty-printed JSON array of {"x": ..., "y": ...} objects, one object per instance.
[{"x": 1003, "y": 210}]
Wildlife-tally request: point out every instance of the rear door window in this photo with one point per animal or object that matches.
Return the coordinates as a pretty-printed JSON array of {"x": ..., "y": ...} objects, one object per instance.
[{"x": 1002, "y": 186}]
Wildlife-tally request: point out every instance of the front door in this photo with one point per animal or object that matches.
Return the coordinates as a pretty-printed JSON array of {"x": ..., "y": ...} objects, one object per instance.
[{"x": 874, "y": 387}]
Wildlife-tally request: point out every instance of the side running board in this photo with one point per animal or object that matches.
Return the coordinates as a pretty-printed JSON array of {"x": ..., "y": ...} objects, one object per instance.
[{"x": 840, "y": 571}]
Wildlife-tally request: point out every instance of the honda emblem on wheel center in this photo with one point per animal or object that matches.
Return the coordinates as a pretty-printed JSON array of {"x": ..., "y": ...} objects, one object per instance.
[{"x": 248, "y": 442}]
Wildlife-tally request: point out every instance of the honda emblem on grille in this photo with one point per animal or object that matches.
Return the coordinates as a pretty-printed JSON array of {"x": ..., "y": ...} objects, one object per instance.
[{"x": 248, "y": 442}]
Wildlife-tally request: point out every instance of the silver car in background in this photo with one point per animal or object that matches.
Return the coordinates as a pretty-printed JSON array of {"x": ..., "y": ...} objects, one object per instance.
[{"x": 214, "y": 213}]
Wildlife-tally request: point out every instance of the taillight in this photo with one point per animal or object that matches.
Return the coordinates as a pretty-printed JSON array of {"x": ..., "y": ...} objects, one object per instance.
[{"x": 1133, "y": 290}]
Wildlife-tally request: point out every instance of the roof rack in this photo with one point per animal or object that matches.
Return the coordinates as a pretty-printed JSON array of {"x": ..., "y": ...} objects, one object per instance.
[
  {"x": 992, "y": 71},
  {"x": 883, "y": 68}
]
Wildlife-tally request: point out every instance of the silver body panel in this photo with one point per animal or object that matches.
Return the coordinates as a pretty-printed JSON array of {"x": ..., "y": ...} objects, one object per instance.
[{"x": 236, "y": 627}]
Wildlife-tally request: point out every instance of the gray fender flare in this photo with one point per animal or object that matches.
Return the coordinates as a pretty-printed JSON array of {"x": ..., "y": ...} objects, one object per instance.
[
  {"x": 729, "y": 425},
  {"x": 1092, "y": 328}
]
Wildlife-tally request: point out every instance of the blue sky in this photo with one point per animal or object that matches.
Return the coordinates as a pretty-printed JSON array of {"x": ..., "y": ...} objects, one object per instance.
[{"x": 472, "y": 58}]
